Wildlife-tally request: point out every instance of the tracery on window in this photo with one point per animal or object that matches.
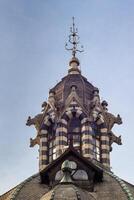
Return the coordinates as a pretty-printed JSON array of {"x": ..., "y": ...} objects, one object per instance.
[
  {"x": 80, "y": 175},
  {"x": 77, "y": 174},
  {"x": 73, "y": 165}
]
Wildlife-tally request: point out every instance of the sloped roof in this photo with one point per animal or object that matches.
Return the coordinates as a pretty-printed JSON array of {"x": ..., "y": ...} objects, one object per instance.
[
  {"x": 8, "y": 195},
  {"x": 30, "y": 189},
  {"x": 131, "y": 187},
  {"x": 109, "y": 189},
  {"x": 84, "y": 88}
]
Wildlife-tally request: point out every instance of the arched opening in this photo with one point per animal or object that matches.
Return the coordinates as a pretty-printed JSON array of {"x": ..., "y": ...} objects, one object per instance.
[
  {"x": 51, "y": 143},
  {"x": 103, "y": 142},
  {"x": 96, "y": 142},
  {"x": 96, "y": 148},
  {"x": 74, "y": 133}
]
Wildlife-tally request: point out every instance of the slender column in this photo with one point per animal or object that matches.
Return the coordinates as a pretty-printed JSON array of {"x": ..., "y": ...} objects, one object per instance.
[
  {"x": 105, "y": 148},
  {"x": 87, "y": 146},
  {"x": 61, "y": 137},
  {"x": 44, "y": 146},
  {"x": 43, "y": 150}
]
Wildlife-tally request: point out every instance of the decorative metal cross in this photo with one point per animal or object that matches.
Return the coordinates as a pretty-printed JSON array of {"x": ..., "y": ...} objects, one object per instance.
[{"x": 74, "y": 40}]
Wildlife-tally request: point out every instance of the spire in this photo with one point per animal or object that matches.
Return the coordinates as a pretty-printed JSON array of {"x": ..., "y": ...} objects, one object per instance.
[{"x": 74, "y": 41}]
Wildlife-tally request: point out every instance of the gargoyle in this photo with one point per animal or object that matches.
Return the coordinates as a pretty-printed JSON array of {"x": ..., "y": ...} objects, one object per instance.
[
  {"x": 110, "y": 120},
  {"x": 114, "y": 138},
  {"x": 34, "y": 141},
  {"x": 36, "y": 121}
]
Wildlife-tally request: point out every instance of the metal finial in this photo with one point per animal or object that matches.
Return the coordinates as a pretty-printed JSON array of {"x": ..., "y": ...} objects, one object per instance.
[
  {"x": 67, "y": 170},
  {"x": 74, "y": 40}
]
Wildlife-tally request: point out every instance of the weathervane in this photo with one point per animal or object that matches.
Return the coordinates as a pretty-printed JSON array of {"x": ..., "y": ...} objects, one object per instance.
[{"x": 74, "y": 40}]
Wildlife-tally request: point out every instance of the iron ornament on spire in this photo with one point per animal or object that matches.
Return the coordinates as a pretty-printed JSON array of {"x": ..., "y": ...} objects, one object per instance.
[{"x": 74, "y": 40}]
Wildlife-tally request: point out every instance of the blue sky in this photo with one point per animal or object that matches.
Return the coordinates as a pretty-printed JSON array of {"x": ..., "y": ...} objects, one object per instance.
[{"x": 33, "y": 59}]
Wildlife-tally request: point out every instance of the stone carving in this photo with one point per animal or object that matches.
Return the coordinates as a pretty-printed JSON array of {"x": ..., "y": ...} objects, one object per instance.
[
  {"x": 114, "y": 138},
  {"x": 95, "y": 104},
  {"x": 34, "y": 141},
  {"x": 44, "y": 106},
  {"x": 110, "y": 121},
  {"x": 36, "y": 121},
  {"x": 104, "y": 105},
  {"x": 51, "y": 100}
]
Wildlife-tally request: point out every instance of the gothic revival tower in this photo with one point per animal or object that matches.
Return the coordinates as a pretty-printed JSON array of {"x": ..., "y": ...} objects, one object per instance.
[
  {"x": 74, "y": 118},
  {"x": 74, "y": 135}
]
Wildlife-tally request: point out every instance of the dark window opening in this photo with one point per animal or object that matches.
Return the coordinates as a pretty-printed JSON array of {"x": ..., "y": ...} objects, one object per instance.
[
  {"x": 51, "y": 143},
  {"x": 96, "y": 148},
  {"x": 74, "y": 133}
]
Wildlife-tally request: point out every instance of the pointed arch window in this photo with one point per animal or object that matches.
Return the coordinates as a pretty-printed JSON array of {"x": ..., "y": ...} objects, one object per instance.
[
  {"x": 96, "y": 142},
  {"x": 96, "y": 148},
  {"x": 51, "y": 143},
  {"x": 74, "y": 133}
]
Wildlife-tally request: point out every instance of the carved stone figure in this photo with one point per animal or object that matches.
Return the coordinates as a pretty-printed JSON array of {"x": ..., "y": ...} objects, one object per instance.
[
  {"x": 110, "y": 121},
  {"x": 104, "y": 105},
  {"x": 36, "y": 121},
  {"x": 114, "y": 138},
  {"x": 95, "y": 104},
  {"x": 44, "y": 106},
  {"x": 34, "y": 141},
  {"x": 51, "y": 99},
  {"x": 96, "y": 99}
]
